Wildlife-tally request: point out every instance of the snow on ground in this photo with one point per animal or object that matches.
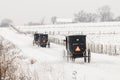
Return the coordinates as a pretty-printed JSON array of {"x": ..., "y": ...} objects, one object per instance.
[
  {"x": 34, "y": 53},
  {"x": 101, "y": 32},
  {"x": 49, "y": 63},
  {"x": 24, "y": 42}
]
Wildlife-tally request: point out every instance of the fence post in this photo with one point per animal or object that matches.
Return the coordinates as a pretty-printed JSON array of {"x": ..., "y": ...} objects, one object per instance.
[
  {"x": 81, "y": 33},
  {"x": 68, "y": 33},
  {"x": 94, "y": 47},
  {"x": 87, "y": 46},
  {"x": 97, "y": 48},
  {"x": 58, "y": 32},
  {"x": 115, "y": 50},
  {"x": 110, "y": 50},
  {"x": 53, "y": 33},
  {"x": 106, "y": 49},
  {"x": 91, "y": 47},
  {"x": 101, "y": 48}
]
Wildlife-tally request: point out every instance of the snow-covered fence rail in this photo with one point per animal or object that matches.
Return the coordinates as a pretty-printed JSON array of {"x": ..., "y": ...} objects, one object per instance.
[
  {"x": 86, "y": 28},
  {"x": 104, "y": 48},
  {"x": 20, "y": 31},
  {"x": 96, "y": 48},
  {"x": 56, "y": 41}
]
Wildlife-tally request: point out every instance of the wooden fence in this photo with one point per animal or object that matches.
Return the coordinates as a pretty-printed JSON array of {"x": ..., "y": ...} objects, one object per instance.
[
  {"x": 104, "y": 48},
  {"x": 94, "y": 47}
]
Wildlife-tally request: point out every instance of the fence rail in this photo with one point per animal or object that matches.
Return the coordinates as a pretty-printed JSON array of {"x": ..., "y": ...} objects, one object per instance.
[{"x": 94, "y": 47}]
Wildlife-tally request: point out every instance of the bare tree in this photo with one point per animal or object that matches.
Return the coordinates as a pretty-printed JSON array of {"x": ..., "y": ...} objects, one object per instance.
[
  {"x": 6, "y": 22},
  {"x": 117, "y": 18},
  {"x": 9, "y": 65},
  {"x": 105, "y": 13},
  {"x": 83, "y": 16},
  {"x": 92, "y": 17},
  {"x": 53, "y": 19},
  {"x": 42, "y": 22},
  {"x": 33, "y": 23},
  {"x": 80, "y": 17}
]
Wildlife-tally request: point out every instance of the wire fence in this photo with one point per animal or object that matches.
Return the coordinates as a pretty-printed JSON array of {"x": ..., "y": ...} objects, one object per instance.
[{"x": 94, "y": 47}]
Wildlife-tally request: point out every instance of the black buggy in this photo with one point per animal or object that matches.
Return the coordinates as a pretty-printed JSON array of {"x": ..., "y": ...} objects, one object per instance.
[
  {"x": 41, "y": 40},
  {"x": 76, "y": 48},
  {"x": 36, "y": 39}
]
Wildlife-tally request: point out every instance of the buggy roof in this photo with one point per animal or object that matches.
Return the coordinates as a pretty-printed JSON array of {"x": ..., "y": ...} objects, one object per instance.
[{"x": 75, "y": 35}]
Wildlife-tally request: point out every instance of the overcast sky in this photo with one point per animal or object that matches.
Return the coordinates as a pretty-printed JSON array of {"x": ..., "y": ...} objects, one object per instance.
[{"x": 23, "y": 11}]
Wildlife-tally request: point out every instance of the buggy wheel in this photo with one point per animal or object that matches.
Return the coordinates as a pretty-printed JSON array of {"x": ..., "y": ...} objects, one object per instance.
[
  {"x": 85, "y": 56},
  {"x": 38, "y": 45},
  {"x": 48, "y": 44},
  {"x": 73, "y": 60},
  {"x": 89, "y": 56},
  {"x": 68, "y": 56},
  {"x": 64, "y": 54},
  {"x": 33, "y": 43}
]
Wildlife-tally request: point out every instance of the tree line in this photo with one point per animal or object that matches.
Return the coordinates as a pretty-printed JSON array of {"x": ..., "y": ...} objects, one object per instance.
[
  {"x": 5, "y": 22},
  {"x": 103, "y": 14}
]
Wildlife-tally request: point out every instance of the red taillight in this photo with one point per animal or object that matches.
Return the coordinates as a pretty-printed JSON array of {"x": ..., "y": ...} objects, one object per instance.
[
  {"x": 77, "y": 49},
  {"x": 43, "y": 40}
]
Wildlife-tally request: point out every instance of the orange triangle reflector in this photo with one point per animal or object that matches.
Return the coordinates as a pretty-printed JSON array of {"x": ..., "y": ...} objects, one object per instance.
[{"x": 77, "y": 48}]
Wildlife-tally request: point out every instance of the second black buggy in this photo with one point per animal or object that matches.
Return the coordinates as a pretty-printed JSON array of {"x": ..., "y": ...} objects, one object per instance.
[{"x": 41, "y": 40}]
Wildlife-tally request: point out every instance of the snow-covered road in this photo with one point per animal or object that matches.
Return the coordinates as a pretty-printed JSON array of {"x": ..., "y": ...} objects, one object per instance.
[
  {"x": 102, "y": 67},
  {"x": 24, "y": 42}
]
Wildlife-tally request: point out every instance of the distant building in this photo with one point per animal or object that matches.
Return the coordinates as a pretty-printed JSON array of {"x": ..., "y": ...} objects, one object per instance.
[
  {"x": 33, "y": 23},
  {"x": 63, "y": 21}
]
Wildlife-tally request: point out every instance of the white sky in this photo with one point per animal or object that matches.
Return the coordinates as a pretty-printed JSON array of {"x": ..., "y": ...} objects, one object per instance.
[{"x": 23, "y": 11}]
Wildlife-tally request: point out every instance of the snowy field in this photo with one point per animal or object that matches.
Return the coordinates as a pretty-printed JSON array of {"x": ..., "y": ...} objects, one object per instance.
[
  {"x": 103, "y": 32},
  {"x": 50, "y": 65}
]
